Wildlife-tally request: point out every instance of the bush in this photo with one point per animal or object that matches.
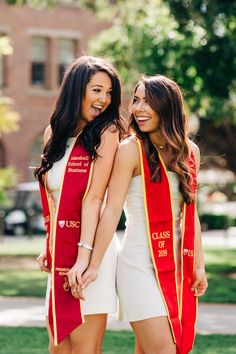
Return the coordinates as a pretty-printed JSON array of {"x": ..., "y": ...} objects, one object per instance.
[{"x": 216, "y": 221}]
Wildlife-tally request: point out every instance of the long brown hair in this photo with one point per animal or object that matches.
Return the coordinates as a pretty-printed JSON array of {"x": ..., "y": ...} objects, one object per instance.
[
  {"x": 68, "y": 111},
  {"x": 165, "y": 97}
]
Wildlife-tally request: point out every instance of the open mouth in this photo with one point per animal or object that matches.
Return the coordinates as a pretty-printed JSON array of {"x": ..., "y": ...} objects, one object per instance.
[
  {"x": 96, "y": 110},
  {"x": 141, "y": 120}
]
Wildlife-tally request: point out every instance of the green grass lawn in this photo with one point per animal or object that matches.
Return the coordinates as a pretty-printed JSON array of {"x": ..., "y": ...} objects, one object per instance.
[
  {"x": 26, "y": 282},
  {"x": 22, "y": 246},
  {"x": 221, "y": 273},
  {"x": 220, "y": 267},
  {"x": 34, "y": 341}
]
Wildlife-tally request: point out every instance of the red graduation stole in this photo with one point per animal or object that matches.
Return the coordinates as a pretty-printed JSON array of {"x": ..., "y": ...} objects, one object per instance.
[
  {"x": 181, "y": 309},
  {"x": 64, "y": 310}
]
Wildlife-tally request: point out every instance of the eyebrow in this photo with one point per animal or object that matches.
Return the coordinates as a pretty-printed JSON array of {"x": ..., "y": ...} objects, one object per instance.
[
  {"x": 110, "y": 88},
  {"x": 138, "y": 97}
]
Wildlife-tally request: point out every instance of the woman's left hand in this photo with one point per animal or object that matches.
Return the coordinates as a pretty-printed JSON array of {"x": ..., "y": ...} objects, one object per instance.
[{"x": 200, "y": 285}]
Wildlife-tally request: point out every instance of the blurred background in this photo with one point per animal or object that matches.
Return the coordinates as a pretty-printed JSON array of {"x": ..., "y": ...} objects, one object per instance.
[{"x": 191, "y": 41}]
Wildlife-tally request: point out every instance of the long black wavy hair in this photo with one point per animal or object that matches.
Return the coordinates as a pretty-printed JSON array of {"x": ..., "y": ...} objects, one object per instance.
[{"x": 67, "y": 112}]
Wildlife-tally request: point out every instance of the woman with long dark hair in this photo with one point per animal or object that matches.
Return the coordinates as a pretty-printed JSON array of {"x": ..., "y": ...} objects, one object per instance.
[
  {"x": 160, "y": 269},
  {"x": 80, "y": 145}
]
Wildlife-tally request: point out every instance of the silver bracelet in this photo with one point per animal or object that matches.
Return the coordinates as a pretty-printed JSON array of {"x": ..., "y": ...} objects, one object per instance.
[{"x": 85, "y": 245}]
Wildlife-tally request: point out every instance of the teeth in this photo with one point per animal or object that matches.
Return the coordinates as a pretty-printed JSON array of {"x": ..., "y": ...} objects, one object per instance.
[
  {"x": 142, "y": 119},
  {"x": 99, "y": 107}
]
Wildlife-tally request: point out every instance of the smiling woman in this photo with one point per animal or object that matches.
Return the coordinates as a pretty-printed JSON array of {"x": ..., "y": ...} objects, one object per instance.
[
  {"x": 80, "y": 145},
  {"x": 97, "y": 96},
  {"x": 146, "y": 117},
  {"x": 160, "y": 268}
]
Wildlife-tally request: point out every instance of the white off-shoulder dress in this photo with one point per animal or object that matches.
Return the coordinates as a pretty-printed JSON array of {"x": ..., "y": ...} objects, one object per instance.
[
  {"x": 138, "y": 291},
  {"x": 100, "y": 295}
]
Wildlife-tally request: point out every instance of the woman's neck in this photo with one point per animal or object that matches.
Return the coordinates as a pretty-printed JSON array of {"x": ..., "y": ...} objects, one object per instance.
[
  {"x": 158, "y": 140},
  {"x": 79, "y": 128}
]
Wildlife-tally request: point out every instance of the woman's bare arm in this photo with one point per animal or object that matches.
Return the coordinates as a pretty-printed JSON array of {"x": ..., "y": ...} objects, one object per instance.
[
  {"x": 93, "y": 202},
  {"x": 200, "y": 283},
  {"x": 126, "y": 162},
  {"x": 41, "y": 259}
]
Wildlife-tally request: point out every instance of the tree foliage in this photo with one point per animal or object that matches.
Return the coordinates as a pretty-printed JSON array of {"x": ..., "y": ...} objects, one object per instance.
[
  {"x": 190, "y": 41},
  {"x": 8, "y": 123},
  {"x": 8, "y": 117},
  {"x": 34, "y": 3}
]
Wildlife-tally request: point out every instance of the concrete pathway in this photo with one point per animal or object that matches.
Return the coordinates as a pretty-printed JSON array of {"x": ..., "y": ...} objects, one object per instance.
[{"x": 28, "y": 311}]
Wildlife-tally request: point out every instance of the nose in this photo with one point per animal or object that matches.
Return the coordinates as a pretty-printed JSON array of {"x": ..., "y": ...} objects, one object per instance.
[
  {"x": 138, "y": 106},
  {"x": 103, "y": 97}
]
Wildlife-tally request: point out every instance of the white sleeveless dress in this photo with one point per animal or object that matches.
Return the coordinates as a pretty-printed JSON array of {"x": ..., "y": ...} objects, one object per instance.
[
  {"x": 100, "y": 295},
  {"x": 138, "y": 290}
]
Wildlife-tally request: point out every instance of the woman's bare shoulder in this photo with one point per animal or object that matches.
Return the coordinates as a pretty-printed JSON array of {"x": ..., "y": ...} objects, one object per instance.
[
  {"x": 110, "y": 134},
  {"x": 128, "y": 147},
  {"x": 196, "y": 152},
  {"x": 47, "y": 134}
]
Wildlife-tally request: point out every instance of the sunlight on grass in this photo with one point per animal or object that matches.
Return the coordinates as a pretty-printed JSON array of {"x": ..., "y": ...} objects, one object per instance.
[
  {"x": 220, "y": 268},
  {"x": 23, "y": 283},
  {"x": 220, "y": 256},
  {"x": 23, "y": 246}
]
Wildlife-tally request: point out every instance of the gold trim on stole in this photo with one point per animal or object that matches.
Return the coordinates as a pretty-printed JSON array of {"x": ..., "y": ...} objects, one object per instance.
[
  {"x": 89, "y": 181},
  {"x": 182, "y": 259},
  {"x": 173, "y": 228},
  {"x": 84, "y": 196},
  {"x": 50, "y": 243},
  {"x": 149, "y": 234},
  {"x": 54, "y": 245},
  {"x": 195, "y": 324}
]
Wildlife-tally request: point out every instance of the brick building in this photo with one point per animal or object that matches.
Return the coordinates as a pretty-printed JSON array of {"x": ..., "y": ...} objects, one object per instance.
[{"x": 44, "y": 42}]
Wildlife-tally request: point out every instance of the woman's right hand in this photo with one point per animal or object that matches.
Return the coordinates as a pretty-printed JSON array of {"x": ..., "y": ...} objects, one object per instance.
[
  {"x": 42, "y": 262},
  {"x": 74, "y": 275},
  {"x": 89, "y": 276}
]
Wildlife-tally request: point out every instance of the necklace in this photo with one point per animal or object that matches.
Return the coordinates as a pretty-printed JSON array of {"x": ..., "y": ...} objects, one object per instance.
[{"x": 160, "y": 146}]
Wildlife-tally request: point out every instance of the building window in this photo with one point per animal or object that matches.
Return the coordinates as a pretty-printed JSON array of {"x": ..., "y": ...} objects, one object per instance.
[
  {"x": 39, "y": 55},
  {"x": 66, "y": 55}
]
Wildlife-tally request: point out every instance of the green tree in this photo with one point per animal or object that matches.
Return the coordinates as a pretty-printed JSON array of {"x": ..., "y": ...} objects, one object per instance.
[
  {"x": 8, "y": 123},
  {"x": 215, "y": 62},
  {"x": 192, "y": 41},
  {"x": 196, "y": 46},
  {"x": 34, "y": 3}
]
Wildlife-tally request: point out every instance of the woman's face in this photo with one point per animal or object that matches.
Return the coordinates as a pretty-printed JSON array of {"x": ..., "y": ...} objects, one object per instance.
[
  {"x": 97, "y": 96},
  {"x": 146, "y": 118}
]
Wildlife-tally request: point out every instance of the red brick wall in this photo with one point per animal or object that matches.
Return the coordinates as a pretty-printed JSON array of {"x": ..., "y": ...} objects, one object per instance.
[{"x": 34, "y": 105}]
